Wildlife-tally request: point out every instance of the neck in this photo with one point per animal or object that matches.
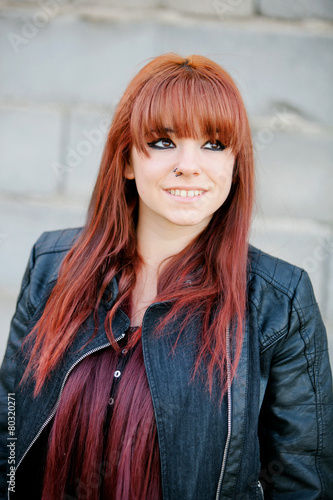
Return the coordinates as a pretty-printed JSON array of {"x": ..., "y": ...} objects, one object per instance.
[{"x": 158, "y": 241}]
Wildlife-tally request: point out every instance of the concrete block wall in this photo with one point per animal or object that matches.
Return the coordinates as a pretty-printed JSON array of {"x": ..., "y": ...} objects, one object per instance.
[
  {"x": 65, "y": 64},
  {"x": 299, "y": 9}
]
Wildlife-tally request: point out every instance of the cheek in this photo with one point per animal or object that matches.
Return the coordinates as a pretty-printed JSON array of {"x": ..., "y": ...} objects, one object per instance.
[
  {"x": 140, "y": 186},
  {"x": 149, "y": 175},
  {"x": 224, "y": 183},
  {"x": 144, "y": 182},
  {"x": 225, "y": 179},
  {"x": 226, "y": 173}
]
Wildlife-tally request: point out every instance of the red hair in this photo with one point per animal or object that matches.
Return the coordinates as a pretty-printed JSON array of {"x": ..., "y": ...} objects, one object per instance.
[
  {"x": 89, "y": 454},
  {"x": 195, "y": 97}
]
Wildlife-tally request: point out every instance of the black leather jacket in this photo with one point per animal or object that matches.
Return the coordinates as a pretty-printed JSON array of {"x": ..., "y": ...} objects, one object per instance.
[{"x": 275, "y": 423}]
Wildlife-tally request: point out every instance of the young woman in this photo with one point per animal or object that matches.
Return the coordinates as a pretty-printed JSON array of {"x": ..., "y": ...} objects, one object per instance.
[{"x": 154, "y": 354}]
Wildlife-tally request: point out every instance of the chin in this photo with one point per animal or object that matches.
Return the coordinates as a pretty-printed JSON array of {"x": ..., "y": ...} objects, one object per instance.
[{"x": 190, "y": 222}]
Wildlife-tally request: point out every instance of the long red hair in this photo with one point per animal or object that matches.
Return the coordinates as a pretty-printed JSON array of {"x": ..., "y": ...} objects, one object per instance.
[{"x": 196, "y": 97}]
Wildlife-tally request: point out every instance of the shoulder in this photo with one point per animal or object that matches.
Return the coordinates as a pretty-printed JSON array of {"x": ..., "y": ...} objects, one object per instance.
[
  {"x": 272, "y": 272},
  {"x": 53, "y": 242},
  {"x": 45, "y": 260},
  {"x": 278, "y": 291},
  {"x": 51, "y": 248}
]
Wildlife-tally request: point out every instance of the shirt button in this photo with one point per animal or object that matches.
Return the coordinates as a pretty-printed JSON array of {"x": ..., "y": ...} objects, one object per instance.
[
  {"x": 117, "y": 373},
  {"x": 111, "y": 401},
  {"x": 124, "y": 351}
]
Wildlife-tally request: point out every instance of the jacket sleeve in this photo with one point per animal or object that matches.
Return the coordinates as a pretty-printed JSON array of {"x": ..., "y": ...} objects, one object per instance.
[
  {"x": 18, "y": 330},
  {"x": 296, "y": 420}
]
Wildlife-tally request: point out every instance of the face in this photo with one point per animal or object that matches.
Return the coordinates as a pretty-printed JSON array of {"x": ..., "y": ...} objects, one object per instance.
[{"x": 183, "y": 182}]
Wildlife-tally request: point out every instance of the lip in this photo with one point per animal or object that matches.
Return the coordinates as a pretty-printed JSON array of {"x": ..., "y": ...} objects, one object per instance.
[{"x": 186, "y": 188}]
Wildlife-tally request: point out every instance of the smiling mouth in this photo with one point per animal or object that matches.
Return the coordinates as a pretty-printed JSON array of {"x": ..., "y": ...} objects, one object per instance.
[{"x": 184, "y": 193}]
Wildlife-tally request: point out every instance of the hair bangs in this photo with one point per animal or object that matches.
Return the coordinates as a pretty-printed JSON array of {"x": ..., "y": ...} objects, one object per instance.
[{"x": 189, "y": 106}]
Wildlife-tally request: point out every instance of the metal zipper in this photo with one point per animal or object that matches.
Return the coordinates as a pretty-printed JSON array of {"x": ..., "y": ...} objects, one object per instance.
[
  {"x": 261, "y": 490},
  {"x": 227, "y": 444},
  {"x": 60, "y": 394}
]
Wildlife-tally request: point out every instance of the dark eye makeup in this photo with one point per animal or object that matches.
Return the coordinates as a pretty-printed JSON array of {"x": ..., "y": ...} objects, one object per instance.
[
  {"x": 165, "y": 143},
  {"x": 162, "y": 143},
  {"x": 215, "y": 145}
]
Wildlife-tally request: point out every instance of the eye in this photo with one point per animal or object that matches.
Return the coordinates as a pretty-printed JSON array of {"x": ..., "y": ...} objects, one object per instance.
[
  {"x": 162, "y": 144},
  {"x": 214, "y": 146}
]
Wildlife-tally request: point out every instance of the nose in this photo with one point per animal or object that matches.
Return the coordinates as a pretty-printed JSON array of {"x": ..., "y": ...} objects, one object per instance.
[{"x": 188, "y": 162}]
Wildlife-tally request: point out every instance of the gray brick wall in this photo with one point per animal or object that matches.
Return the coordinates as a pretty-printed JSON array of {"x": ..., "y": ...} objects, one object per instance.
[
  {"x": 65, "y": 64},
  {"x": 298, "y": 9}
]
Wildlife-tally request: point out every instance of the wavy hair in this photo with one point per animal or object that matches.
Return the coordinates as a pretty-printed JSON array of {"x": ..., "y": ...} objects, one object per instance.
[{"x": 197, "y": 98}]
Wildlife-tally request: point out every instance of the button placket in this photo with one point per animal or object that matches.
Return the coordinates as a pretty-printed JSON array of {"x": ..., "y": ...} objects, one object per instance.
[{"x": 118, "y": 372}]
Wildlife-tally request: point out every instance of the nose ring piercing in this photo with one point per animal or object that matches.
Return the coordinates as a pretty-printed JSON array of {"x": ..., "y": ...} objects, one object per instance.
[{"x": 178, "y": 173}]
